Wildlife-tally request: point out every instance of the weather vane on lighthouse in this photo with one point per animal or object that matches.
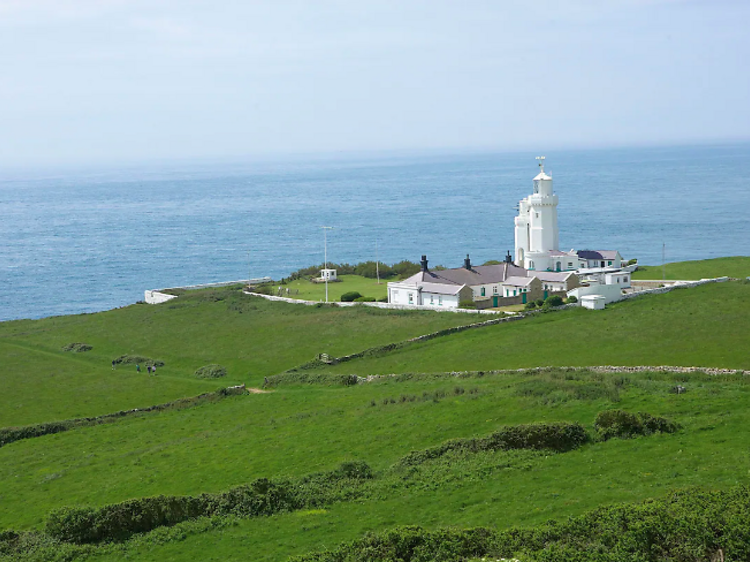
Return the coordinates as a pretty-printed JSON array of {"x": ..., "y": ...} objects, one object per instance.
[{"x": 541, "y": 163}]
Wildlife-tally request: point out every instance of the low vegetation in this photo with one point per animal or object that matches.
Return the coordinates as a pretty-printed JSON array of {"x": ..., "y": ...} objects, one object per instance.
[{"x": 212, "y": 371}]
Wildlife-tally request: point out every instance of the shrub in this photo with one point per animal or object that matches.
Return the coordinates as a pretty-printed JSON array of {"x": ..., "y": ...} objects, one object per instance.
[
  {"x": 406, "y": 268},
  {"x": 364, "y": 299},
  {"x": 554, "y": 300},
  {"x": 619, "y": 423},
  {"x": 212, "y": 371},
  {"x": 572, "y": 299},
  {"x": 351, "y": 296},
  {"x": 77, "y": 347},
  {"x": 117, "y": 522},
  {"x": 467, "y": 304},
  {"x": 383, "y": 299},
  {"x": 530, "y": 306},
  {"x": 540, "y": 302},
  {"x": 553, "y": 436},
  {"x": 370, "y": 269},
  {"x": 138, "y": 360}
]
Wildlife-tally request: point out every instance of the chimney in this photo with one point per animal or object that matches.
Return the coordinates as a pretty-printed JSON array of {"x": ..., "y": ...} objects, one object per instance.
[
  {"x": 508, "y": 259},
  {"x": 467, "y": 263},
  {"x": 424, "y": 264}
]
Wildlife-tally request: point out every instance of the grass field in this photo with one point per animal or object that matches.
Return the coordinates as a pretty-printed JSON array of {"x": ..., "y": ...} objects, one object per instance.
[
  {"x": 299, "y": 429},
  {"x": 347, "y": 283},
  {"x": 250, "y": 336},
  {"x": 737, "y": 267},
  {"x": 703, "y": 326}
]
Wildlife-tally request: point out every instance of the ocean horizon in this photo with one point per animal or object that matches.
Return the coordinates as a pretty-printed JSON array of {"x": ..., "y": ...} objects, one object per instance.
[{"x": 76, "y": 241}]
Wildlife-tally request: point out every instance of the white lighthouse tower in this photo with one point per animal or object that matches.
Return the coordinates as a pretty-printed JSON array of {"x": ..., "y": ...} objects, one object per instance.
[{"x": 537, "y": 233}]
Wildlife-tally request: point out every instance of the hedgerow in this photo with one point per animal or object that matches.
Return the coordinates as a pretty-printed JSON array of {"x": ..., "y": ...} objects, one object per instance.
[
  {"x": 686, "y": 526},
  {"x": 117, "y": 522},
  {"x": 559, "y": 437},
  {"x": 11, "y": 434},
  {"x": 310, "y": 378},
  {"x": 138, "y": 360},
  {"x": 618, "y": 423}
]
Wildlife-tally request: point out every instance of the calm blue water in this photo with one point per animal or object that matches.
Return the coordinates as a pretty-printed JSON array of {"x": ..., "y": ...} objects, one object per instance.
[{"x": 82, "y": 242}]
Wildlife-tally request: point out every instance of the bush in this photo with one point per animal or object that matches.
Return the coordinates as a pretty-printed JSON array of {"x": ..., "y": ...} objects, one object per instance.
[
  {"x": 364, "y": 299},
  {"x": 530, "y": 306},
  {"x": 383, "y": 299},
  {"x": 572, "y": 299},
  {"x": 467, "y": 304},
  {"x": 138, "y": 360},
  {"x": 212, "y": 371},
  {"x": 554, "y": 300},
  {"x": 117, "y": 522},
  {"x": 619, "y": 423},
  {"x": 370, "y": 270},
  {"x": 351, "y": 296},
  {"x": 553, "y": 436},
  {"x": 540, "y": 303},
  {"x": 406, "y": 268},
  {"x": 77, "y": 347}
]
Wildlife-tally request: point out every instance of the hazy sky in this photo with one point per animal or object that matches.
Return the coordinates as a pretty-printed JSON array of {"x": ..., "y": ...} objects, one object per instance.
[{"x": 93, "y": 81}]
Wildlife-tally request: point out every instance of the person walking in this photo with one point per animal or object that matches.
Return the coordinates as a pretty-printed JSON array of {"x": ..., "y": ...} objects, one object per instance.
[
  {"x": 137, "y": 368},
  {"x": 148, "y": 368},
  {"x": 153, "y": 370},
  {"x": 113, "y": 364}
]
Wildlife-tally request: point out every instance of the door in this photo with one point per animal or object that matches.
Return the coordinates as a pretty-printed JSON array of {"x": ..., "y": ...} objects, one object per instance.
[
  {"x": 523, "y": 298},
  {"x": 494, "y": 301},
  {"x": 545, "y": 295}
]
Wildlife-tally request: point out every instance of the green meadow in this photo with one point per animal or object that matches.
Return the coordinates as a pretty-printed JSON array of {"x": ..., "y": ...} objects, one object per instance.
[
  {"x": 306, "y": 290},
  {"x": 736, "y": 267},
  {"x": 298, "y": 429}
]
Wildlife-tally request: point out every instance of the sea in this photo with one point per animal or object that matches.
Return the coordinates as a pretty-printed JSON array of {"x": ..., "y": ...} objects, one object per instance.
[{"x": 84, "y": 240}]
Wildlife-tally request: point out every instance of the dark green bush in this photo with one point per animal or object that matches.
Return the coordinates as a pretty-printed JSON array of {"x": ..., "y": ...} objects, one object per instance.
[
  {"x": 554, "y": 300},
  {"x": 619, "y": 423},
  {"x": 138, "y": 360},
  {"x": 212, "y": 371},
  {"x": 365, "y": 299},
  {"x": 405, "y": 268},
  {"x": 572, "y": 299},
  {"x": 553, "y": 436},
  {"x": 686, "y": 526},
  {"x": 383, "y": 299},
  {"x": 117, "y": 522},
  {"x": 351, "y": 296},
  {"x": 77, "y": 347},
  {"x": 540, "y": 302},
  {"x": 530, "y": 306}
]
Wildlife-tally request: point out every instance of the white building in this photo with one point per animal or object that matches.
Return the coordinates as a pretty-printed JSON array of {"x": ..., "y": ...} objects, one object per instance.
[{"x": 328, "y": 275}]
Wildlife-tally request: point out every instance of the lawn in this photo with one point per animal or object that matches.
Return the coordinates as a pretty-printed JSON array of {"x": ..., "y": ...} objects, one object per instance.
[
  {"x": 347, "y": 283},
  {"x": 296, "y": 430},
  {"x": 250, "y": 336},
  {"x": 701, "y": 326},
  {"x": 737, "y": 267}
]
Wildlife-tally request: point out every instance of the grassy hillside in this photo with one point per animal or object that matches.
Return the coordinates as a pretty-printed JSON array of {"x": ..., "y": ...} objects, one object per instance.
[
  {"x": 250, "y": 336},
  {"x": 702, "y": 326},
  {"x": 299, "y": 429},
  {"x": 737, "y": 267}
]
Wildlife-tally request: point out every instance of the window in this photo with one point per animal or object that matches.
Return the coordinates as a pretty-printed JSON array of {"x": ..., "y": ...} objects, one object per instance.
[
  {"x": 626, "y": 279},
  {"x": 570, "y": 264},
  {"x": 514, "y": 292},
  {"x": 609, "y": 262},
  {"x": 482, "y": 291},
  {"x": 440, "y": 300},
  {"x": 537, "y": 215},
  {"x": 411, "y": 298},
  {"x": 432, "y": 299},
  {"x": 494, "y": 290}
]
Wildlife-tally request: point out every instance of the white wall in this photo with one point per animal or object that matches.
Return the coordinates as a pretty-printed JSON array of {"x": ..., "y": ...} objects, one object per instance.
[
  {"x": 611, "y": 293},
  {"x": 155, "y": 297}
]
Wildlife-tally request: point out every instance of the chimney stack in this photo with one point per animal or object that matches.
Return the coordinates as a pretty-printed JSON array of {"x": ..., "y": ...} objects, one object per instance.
[
  {"x": 467, "y": 263},
  {"x": 424, "y": 264}
]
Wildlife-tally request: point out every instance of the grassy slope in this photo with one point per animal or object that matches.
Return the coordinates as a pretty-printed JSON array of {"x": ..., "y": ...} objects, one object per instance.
[
  {"x": 738, "y": 267},
  {"x": 304, "y": 429},
  {"x": 252, "y": 337},
  {"x": 317, "y": 291},
  {"x": 705, "y": 326}
]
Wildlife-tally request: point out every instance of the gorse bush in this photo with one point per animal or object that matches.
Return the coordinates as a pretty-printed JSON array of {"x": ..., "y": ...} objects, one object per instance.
[
  {"x": 77, "y": 347},
  {"x": 559, "y": 437},
  {"x": 117, "y": 522},
  {"x": 687, "y": 526},
  {"x": 618, "y": 423},
  {"x": 138, "y": 360},
  {"x": 350, "y": 296},
  {"x": 212, "y": 371},
  {"x": 554, "y": 300}
]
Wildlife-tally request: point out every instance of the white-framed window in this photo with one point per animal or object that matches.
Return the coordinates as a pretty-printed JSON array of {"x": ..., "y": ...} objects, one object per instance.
[
  {"x": 494, "y": 290},
  {"x": 440, "y": 300},
  {"x": 411, "y": 298},
  {"x": 432, "y": 299}
]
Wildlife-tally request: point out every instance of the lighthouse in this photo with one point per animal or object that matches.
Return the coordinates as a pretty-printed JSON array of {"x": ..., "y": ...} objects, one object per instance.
[{"x": 536, "y": 230}]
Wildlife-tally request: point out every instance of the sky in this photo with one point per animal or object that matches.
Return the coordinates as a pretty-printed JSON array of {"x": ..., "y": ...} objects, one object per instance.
[{"x": 91, "y": 82}]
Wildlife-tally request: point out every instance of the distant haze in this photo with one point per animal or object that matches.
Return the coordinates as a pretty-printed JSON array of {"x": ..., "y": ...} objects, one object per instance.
[{"x": 99, "y": 81}]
